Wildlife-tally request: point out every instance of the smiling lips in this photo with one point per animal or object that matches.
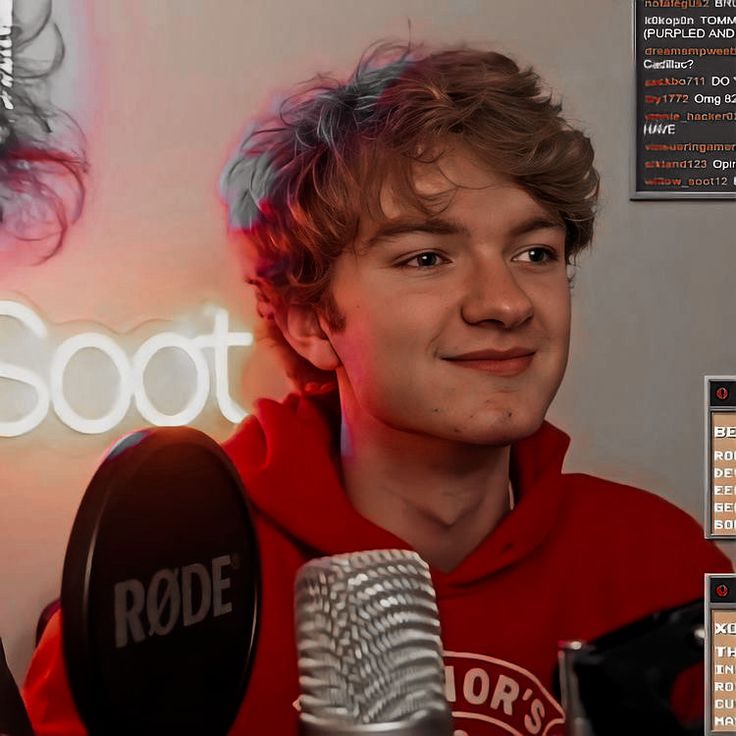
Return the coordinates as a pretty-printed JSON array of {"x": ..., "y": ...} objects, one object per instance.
[{"x": 499, "y": 362}]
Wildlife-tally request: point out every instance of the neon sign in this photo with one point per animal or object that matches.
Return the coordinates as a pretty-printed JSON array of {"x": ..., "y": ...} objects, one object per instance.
[{"x": 131, "y": 371}]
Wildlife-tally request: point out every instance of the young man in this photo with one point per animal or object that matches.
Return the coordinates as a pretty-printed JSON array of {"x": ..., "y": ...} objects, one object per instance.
[{"x": 409, "y": 233}]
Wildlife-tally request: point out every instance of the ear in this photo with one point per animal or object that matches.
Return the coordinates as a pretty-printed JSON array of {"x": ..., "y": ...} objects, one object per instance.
[{"x": 303, "y": 330}]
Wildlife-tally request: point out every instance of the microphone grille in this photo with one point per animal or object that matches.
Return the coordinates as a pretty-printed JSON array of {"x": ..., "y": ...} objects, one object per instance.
[{"x": 368, "y": 638}]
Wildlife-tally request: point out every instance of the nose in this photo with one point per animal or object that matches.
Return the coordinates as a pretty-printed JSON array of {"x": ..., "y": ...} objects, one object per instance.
[{"x": 493, "y": 295}]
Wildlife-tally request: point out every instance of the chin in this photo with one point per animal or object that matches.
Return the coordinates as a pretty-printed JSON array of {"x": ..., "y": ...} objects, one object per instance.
[{"x": 504, "y": 426}]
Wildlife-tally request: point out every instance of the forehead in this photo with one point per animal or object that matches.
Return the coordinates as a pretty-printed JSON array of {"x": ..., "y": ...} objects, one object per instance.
[{"x": 456, "y": 183}]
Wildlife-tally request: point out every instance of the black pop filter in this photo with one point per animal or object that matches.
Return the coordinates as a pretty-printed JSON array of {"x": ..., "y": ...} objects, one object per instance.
[{"x": 161, "y": 588}]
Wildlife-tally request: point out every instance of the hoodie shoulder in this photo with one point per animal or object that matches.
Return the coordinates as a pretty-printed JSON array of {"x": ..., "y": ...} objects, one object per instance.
[
  {"x": 627, "y": 519},
  {"x": 247, "y": 447},
  {"x": 627, "y": 504}
]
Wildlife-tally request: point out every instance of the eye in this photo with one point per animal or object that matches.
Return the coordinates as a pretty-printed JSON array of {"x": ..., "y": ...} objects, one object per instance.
[
  {"x": 428, "y": 259},
  {"x": 538, "y": 254}
]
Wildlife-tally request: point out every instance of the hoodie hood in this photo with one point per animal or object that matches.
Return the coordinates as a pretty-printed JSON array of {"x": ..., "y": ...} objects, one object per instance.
[{"x": 286, "y": 454}]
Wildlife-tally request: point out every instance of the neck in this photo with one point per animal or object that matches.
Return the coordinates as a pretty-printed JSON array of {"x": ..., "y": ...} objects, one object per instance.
[{"x": 443, "y": 498}]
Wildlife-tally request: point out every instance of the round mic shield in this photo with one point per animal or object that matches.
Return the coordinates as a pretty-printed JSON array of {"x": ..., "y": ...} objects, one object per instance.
[{"x": 161, "y": 589}]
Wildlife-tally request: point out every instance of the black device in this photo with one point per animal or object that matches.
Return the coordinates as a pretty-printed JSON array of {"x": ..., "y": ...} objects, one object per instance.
[
  {"x": 161, "y": 589},
  {"x": 622, "y": 682}
]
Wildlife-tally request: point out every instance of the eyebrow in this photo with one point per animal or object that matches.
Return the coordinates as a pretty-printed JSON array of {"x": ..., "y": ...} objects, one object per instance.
[{"x": 448, "y": 226}]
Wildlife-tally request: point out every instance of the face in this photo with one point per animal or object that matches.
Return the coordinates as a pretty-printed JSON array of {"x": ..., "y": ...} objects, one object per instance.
[{"x": 456, "y": 326}]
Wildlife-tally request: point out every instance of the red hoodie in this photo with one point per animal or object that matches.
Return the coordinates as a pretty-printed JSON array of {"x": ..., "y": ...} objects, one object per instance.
[{"x": 577, "y": 557}]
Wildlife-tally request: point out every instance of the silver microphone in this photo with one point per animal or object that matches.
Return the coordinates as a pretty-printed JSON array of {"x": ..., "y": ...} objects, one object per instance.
[{"x": 369, "y": 647}]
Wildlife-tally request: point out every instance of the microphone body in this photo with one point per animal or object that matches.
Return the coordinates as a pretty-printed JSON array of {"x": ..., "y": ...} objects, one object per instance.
[
  {"x": 428, "y": 724},
  {"x": 369, "y": 647}
]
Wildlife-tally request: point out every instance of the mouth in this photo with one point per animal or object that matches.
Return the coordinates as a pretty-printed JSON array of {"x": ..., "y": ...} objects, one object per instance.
[{"x": 499, "y": 362}]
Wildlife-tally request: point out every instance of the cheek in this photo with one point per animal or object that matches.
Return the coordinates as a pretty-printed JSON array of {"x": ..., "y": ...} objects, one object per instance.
[
  {"x": 560, "y": 334},
  {"x": 553, "y": 309},
  {"x": 369, "y": 345},
  {"x": 383, "y": 357},
  {"x": 386, "y": 321},
  {"x": 563, "y": 320}
]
